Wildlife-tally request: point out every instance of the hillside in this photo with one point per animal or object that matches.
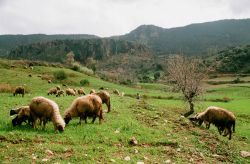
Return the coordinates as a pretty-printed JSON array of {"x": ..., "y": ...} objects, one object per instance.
[
  {"x": 231, "y": 60},
  {"x": 154, "y": 121},
  {"x": 7, "y": 42},
  {"x": 56, "y": 51},
  {"x": 194, "y": 39}
]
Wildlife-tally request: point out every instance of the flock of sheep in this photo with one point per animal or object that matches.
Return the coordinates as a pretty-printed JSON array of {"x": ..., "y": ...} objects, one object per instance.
[
  {"x": 44, "y": 110},
  {"x": 41, "y": 109}
]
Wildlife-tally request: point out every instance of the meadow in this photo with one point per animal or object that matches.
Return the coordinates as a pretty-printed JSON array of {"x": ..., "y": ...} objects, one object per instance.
[{"x": 154, "y": 121}]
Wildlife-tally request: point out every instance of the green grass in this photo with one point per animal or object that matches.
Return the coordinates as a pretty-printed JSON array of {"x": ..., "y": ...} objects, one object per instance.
[{"x": 155, "y": 122}]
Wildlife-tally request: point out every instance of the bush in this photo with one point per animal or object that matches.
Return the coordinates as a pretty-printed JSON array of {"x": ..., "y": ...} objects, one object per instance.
[
  {"x": 60, "y": 75},
  {"x": 84, "y": 82},
  {"x": 237, "y": 80},
  {"x": 76, "y": 67}
]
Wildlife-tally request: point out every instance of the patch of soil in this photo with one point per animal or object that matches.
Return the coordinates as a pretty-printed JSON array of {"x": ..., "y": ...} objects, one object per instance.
[
  {"x": 13, "y": 141},
  {"x": 68, "y": 153}
]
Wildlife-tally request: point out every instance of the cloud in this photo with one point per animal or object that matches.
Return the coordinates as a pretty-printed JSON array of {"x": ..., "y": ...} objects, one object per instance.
[
  {"x": 239, "y": 7},
  {"x": 111, "y": 17}
]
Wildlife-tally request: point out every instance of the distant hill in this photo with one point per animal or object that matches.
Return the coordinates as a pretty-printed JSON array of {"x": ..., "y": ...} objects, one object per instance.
[
  {"x": 56, "y": 51},
  {"x": 232, "y": 60},
  {"x": 194, "y": 39},
  {"x": 7, "y": 42}
]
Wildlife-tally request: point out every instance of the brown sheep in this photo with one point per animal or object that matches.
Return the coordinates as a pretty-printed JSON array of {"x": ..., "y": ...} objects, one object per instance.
[
  {"x": 23, "y": 114},
  {"x": 53, "y": 91},
  {"x": 223, "y": 119},
  {"x": 59, "y": 93},
  {"x": 104, "y": 95},
  {"x": 58, "y": 88},
  {"x": 83, "y": 107},
  {"x": 81, "y": 91},
  {"x": 116, "y": 92},
  {"x": 45, "y": 109},
  {"x": 70, "y": 92},
  {"x": 19, "y": 90}
]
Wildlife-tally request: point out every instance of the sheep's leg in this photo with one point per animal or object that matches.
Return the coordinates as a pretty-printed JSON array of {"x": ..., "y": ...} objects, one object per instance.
[
  {"x": 108, "y": 105},
  {"x": 100, "y": 117},
  {"x": 220, "y": 129},
  {"x": 34, "y": 124},
  {"x": 85, "y": 118},
  {"x": 80, "y": 120},
  {"x": 229, "y": 131},
  {"x": 94, "y": 117},
  {"x": 44, "y": 123}
]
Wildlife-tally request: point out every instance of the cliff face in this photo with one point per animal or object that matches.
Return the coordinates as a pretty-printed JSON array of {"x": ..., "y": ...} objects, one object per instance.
[{"x": 55, "y": 51}]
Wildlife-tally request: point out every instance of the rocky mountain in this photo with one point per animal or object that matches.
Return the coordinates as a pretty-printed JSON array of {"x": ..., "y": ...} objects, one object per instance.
[
  {"x": 7, "y": 42},
  {"x": 56, "y": 51}
]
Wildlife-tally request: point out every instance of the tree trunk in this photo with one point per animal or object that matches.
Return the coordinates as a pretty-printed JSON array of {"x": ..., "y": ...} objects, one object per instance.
[{"x": 191, "y": 111}]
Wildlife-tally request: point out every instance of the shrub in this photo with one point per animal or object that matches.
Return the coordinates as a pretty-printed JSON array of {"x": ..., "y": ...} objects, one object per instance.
[
  {"x": 84, "y": 82},
  {"x": 237, "y": 80},
  {"x": 60, "y": 75},
  {"x": 76, "y": 67}
]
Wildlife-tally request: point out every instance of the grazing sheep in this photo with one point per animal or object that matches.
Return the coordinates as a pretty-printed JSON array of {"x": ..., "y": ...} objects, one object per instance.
[
  {"x": 59, "y": 93},
  {"x": 49, "y": 81},
  {"x": 81, "y": 91},
  {"x": 53, "y": 91},
  {"x": 23, "y": 114},
  {"x": 19, "y": 90},
  {"x": 104, "y": 95},
  {"x": 138, "y": 96},
  {"x": 70, "y": 92},
  {"x": 45, "y": 110},
  {"x": 92, "y": 91},
  {"x": 116, "y": 92},
  {"x": 83, "y": 107},
  {"x": 58, "y": 88},
  {"x": 223, "y": 119}
]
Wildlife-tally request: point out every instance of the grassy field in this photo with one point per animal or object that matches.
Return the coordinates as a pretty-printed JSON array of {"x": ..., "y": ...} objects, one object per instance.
[{"x": 155, "y": 121}]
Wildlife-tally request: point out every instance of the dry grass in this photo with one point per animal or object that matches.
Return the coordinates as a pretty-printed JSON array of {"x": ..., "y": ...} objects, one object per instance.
[{"x": 6, "y": 88}]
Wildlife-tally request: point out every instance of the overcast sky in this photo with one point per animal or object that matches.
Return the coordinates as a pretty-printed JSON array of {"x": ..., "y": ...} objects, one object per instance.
[{"x": 111, "y": 17}]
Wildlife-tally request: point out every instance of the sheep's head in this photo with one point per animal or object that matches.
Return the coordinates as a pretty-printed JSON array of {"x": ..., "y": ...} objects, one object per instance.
[
  {"x": 196, "y": 119},
  {"x": 12, "y": 112},
  {"x": 67, "y": 118},
  {"x": 17, "y": 121},
  {"x": 60, "y": 128}
]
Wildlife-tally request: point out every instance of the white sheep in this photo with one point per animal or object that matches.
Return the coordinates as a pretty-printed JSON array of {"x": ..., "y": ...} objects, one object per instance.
[{"x": 45, "y": 110}]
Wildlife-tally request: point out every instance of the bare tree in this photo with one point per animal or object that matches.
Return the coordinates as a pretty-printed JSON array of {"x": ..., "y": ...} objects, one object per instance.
[
  {"x": 187, "y": 74},
  {"x": 70, "y": 57}
]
